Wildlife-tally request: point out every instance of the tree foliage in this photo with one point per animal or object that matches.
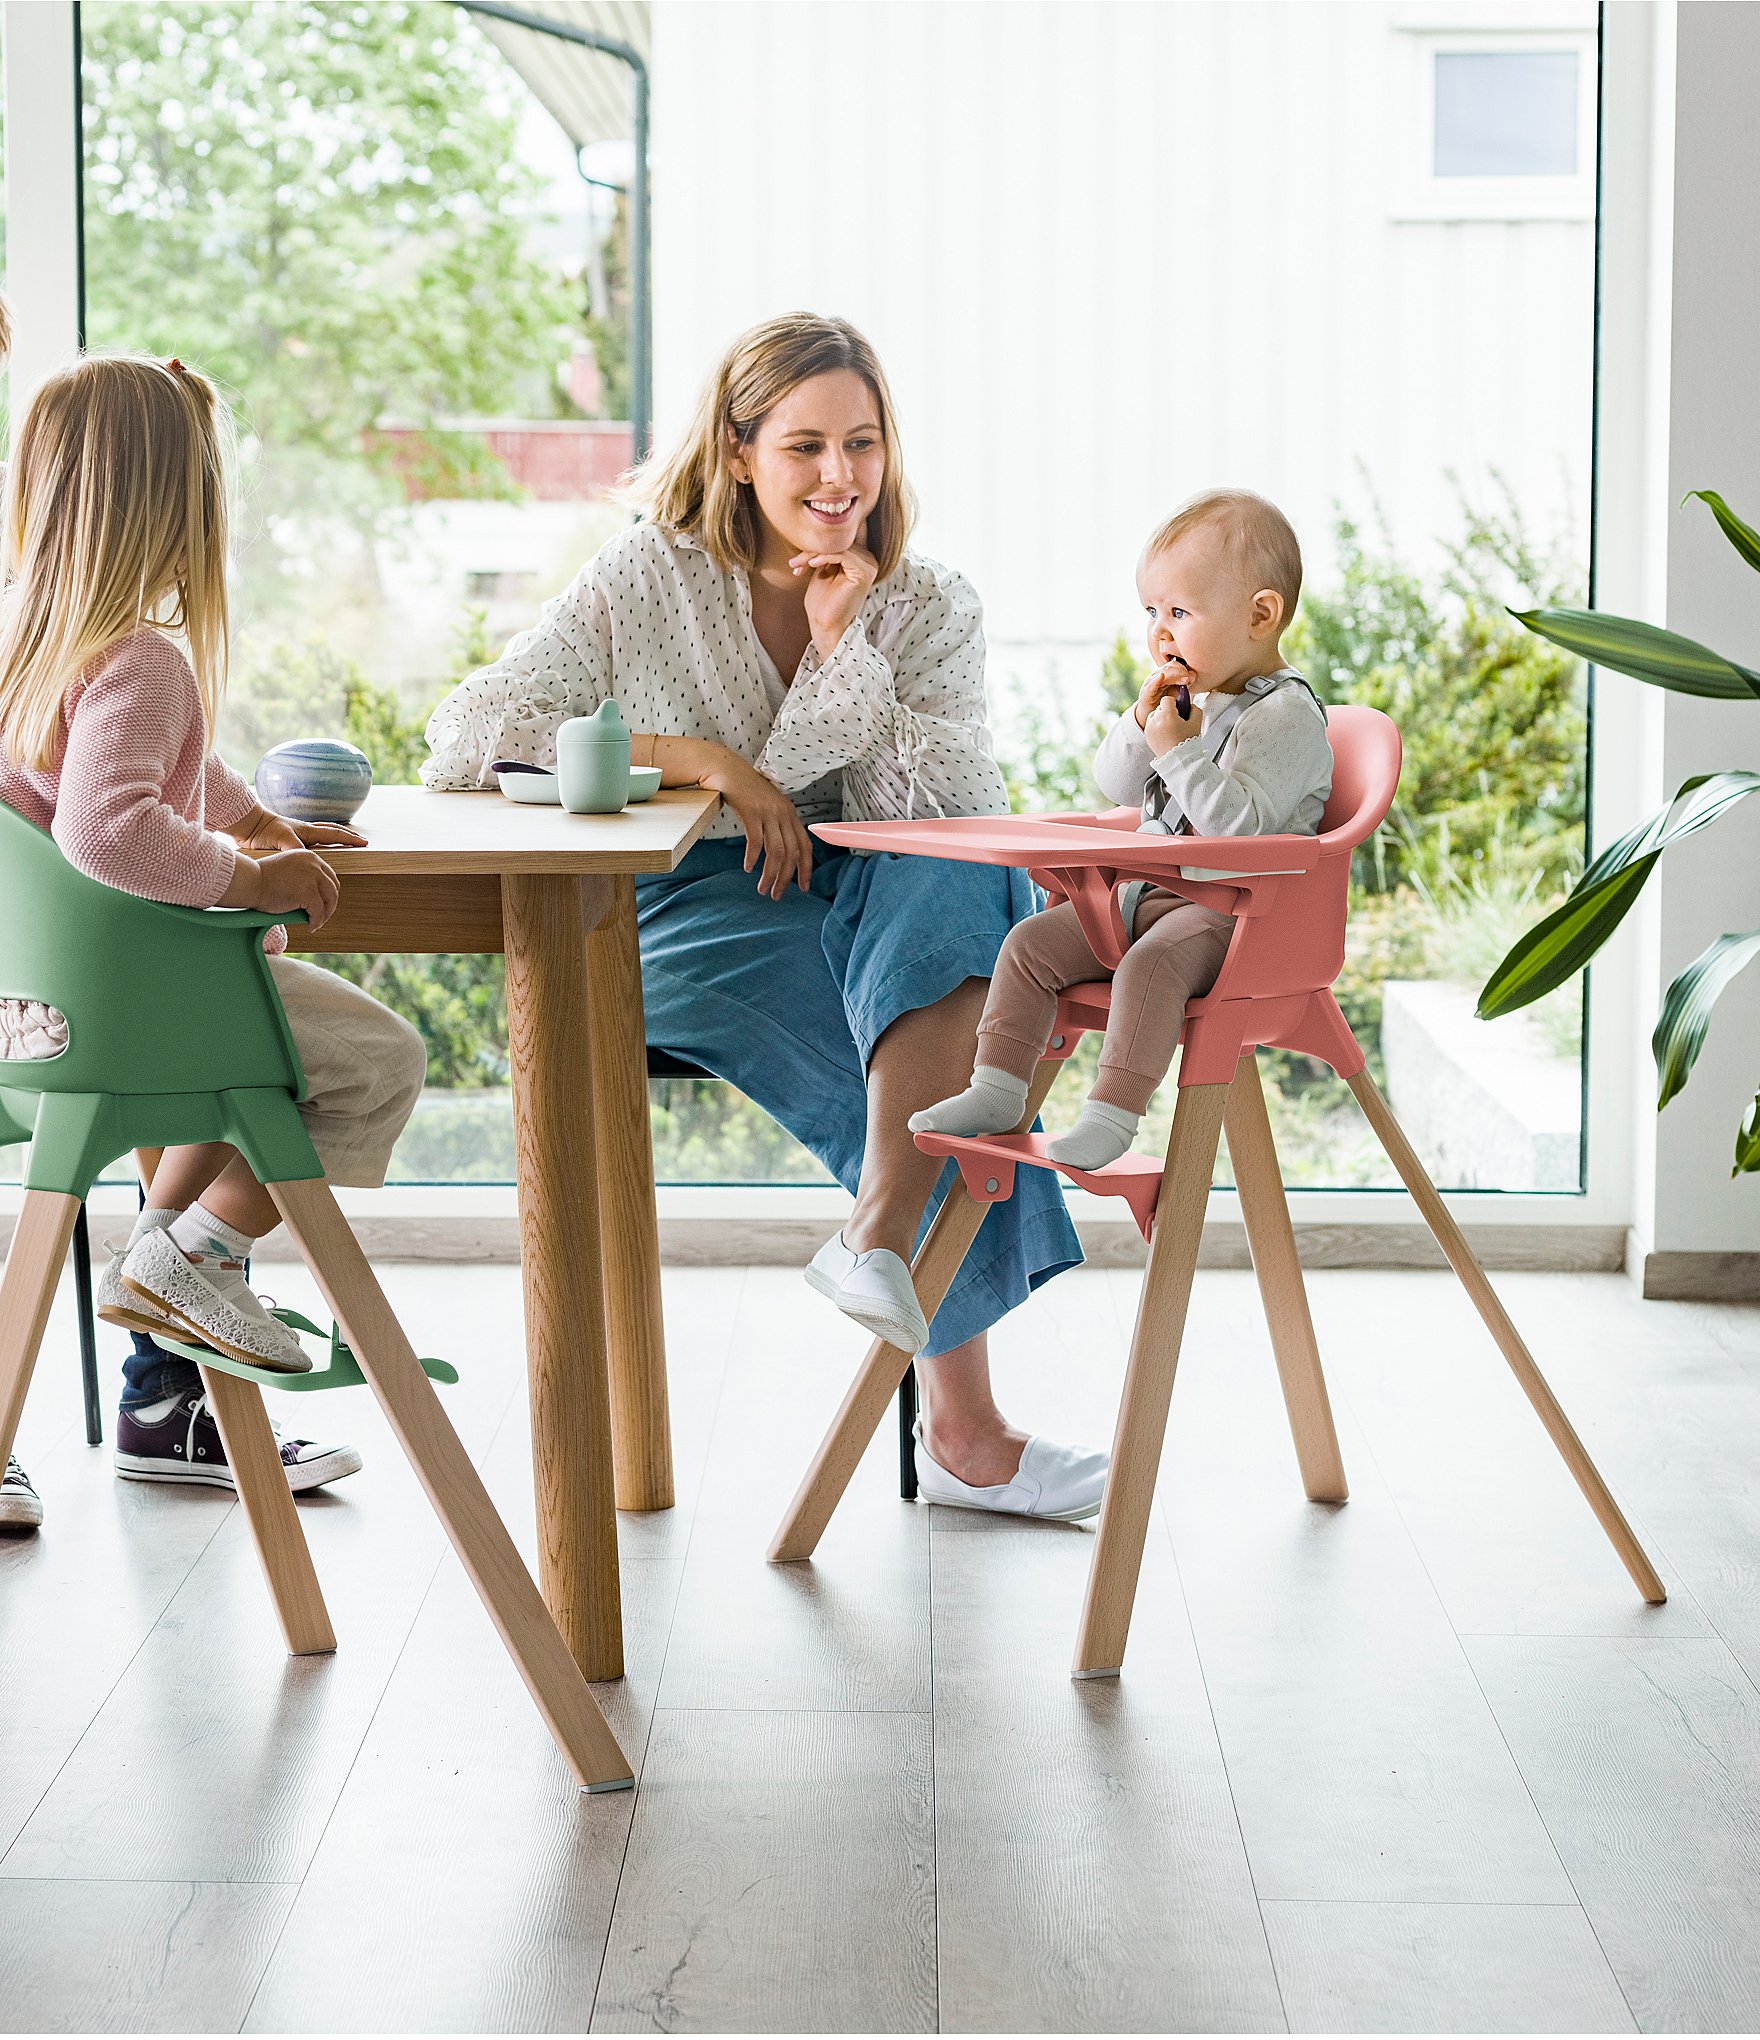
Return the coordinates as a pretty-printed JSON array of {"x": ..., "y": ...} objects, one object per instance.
[{"x": 318, "y": 202}]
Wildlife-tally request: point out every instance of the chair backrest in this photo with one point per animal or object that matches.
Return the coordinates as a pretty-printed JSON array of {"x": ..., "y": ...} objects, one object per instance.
[
  {"x": 1365, "y": 773},
  {"x": 157, "y": 998}
]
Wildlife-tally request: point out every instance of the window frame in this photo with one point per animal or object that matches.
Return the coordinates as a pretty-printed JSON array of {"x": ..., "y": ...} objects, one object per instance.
[{"x": 1422, "y": 196}]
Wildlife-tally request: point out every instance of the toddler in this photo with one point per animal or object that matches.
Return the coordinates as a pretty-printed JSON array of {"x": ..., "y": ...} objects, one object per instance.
[
  {"x": 1224, "y": 740},
  {"x": 115, "y": 538}
]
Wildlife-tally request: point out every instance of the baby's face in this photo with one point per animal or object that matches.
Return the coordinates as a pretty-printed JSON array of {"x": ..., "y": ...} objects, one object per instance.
[{"x": 1200, "y": 615}]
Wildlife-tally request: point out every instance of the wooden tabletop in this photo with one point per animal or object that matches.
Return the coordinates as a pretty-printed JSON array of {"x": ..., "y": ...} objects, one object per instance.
[{"x": 410, "y": 830}]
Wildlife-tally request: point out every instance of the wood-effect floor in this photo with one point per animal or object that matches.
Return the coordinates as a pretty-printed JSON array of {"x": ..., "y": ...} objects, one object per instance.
[{"x": 1420, "y": 1762}]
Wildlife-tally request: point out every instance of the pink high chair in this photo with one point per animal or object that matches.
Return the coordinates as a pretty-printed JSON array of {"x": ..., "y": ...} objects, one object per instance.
[{"x": 1288, "y": 896}]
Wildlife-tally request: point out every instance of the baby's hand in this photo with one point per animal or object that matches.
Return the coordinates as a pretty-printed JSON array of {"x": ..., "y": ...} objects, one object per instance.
[
  {"x": 1162, "y": 682},
  {"x": 1165, "y": 726}
]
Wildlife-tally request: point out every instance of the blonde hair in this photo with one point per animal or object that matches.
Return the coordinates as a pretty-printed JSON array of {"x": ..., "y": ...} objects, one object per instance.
[
  {"x": 115, "y": 518},
  {"x": 1258, "y": 540},
  {"x": 693, "y": 489},
  {"x": 5, "y": 327}
]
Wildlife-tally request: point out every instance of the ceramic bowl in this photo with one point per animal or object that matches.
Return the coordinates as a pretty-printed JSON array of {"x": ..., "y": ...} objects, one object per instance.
[
  {"x": 644, "y": 780},
  {"x": 314, "y": 779},
  {"x": 531, "y": 789}
]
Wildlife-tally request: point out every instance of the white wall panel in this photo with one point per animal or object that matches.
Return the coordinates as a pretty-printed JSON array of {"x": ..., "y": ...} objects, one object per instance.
[{"x": 1110, "y": 254}]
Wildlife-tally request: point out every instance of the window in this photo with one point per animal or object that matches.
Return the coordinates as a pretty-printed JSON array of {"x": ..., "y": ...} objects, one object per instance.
[
  {"x": 1505, "y": 113},
  {"x": 1496, "y": 126}
]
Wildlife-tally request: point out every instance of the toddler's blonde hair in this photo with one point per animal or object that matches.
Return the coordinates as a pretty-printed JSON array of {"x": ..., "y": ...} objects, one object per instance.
[
  {"x": 1258, "y": 540},
  {"x": 115, "y": 517},
  {"x": 693, "y": 489}
]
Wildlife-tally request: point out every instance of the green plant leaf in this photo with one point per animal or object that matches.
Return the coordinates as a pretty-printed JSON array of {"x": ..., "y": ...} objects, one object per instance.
[
  {"x": 1560, "y": 945},
  {"x": 1686, "y": 1010},
  {"x": 1662, "y": 657},
  {"x": 1743, "y": 537},
  {"x": 1748, "y": 1142}
]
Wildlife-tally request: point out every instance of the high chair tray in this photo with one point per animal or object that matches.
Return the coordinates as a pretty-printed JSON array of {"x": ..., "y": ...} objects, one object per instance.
[{"x": 1067, "y": 842}]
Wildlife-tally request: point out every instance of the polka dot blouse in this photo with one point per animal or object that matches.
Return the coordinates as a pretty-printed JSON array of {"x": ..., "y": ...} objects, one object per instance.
[{"x": 890, "y": 726}]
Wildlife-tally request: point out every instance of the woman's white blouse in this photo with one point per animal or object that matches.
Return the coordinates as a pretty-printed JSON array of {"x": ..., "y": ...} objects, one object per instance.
[{"x": 890, "y": 726}]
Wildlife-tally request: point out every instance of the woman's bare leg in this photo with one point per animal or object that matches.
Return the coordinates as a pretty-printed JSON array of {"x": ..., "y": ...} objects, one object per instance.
[
  {"x": 923, "y": 1056},
  {"x": 963, "y": 1429}
]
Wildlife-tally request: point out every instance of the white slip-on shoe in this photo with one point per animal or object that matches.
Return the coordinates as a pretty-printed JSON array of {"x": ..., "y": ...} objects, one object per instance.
[
  {"x": 874, "y": 1288},
  {"x": 1055, "y": 1483},
  {"x": 157, "y": 1273},
  {"x": 119, "y": 1306}
]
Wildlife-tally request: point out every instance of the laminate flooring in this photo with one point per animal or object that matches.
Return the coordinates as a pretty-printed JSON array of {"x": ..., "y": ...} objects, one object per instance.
[{"x": 1419, "y": 1762}]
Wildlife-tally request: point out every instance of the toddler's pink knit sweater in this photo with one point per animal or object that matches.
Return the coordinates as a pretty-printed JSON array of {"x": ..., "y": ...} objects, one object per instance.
[{"x": 135, "y": 794}]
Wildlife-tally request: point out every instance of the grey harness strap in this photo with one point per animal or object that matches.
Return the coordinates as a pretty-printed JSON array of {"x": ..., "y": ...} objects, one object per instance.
[{"x": 1161, "y": 816}]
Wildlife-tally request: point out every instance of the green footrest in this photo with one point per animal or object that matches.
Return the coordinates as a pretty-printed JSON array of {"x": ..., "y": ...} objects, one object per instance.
[{"x": 343, "y": 1370}]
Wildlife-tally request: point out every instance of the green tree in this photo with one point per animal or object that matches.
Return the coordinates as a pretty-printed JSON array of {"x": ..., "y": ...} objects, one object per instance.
[{"x": 320, "y": 205}]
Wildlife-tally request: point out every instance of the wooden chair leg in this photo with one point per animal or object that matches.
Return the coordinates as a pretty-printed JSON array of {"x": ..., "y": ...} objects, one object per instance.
[
  {"x": 27, "y": 1290},
  {"x": 1497, "y": 1321},
  {"x": 269, "y": 1509},
  {"x": 635, "y": 1339},
  {"x": 938, "y": 1260},
  {"x": 1259, "y": 1179},
  {"x": 1148, "y": 1381},
  {"x": 478, "y": 1535}
]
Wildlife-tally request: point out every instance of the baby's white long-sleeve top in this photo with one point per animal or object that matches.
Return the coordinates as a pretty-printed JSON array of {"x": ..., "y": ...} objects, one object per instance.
[
  {"x": 891, "y": 725},
  {"x": 1270, "y": 777}
]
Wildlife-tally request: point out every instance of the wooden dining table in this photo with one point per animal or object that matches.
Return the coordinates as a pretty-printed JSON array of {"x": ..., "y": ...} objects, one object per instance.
[{"x": 477, "y": 874}]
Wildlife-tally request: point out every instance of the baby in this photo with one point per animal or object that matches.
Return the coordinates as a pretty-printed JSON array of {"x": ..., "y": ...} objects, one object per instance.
[{"x": 1224, "y": 740}]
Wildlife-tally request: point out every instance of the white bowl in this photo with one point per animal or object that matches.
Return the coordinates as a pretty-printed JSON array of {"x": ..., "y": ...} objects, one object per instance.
[{"x": 532, "y": 789}]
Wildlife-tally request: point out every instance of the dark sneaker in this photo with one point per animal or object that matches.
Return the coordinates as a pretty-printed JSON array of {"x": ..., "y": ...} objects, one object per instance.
[
  {"x": 178, "y": 1440},
  {"x": 20, "y": 1507}
]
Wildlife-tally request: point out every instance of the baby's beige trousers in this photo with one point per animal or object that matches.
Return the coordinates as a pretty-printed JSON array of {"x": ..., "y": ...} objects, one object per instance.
[{"x": 1176, "y": 950}]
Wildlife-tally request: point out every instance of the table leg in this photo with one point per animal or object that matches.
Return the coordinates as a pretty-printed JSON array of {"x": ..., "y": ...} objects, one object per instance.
[
  {"x": 550, "y": 1039},
  {"x": 641, "y": 1431}
]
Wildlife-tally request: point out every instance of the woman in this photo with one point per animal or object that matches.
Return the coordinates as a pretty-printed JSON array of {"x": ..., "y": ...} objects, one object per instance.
[{"x": 841, "y": 993}]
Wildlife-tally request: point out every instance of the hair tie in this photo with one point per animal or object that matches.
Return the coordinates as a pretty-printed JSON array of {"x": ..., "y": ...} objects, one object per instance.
[{"x": 176, "y": 367}]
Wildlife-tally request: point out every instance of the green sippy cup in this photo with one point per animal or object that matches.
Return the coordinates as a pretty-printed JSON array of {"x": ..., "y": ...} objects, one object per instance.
[{"x": 592, "y": 761}]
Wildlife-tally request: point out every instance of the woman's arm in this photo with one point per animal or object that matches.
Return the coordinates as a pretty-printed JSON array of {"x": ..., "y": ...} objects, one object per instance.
[
  {"x": 906, "y": 724},
  {"x": 767, "y": 817},
  {"x": 513, "y": 708}
]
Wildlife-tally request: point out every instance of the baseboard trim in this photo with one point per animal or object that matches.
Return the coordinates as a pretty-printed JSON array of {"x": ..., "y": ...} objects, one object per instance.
[
  {"x": 1731, "y": 1276},
  {"x": 790, "y": 1239},
  {"x": 789, "y": 1242}
]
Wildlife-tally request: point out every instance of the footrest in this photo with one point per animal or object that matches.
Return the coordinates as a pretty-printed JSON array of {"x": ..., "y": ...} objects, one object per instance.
[
  {"x": 987, "y": 1163},
  {"x": 343, "y": 1370}
]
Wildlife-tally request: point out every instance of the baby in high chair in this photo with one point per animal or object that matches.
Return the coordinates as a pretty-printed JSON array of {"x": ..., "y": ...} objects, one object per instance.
[{"x": 1224, "y": 740}]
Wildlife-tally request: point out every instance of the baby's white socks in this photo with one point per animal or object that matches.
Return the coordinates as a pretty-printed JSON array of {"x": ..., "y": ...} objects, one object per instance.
[
  {"x": 1101, "y": 1135},
  {"x": 994, "y": 1102}
]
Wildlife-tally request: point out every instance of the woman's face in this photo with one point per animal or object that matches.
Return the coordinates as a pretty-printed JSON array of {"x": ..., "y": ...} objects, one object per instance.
[{"x": 815, "y": 465}]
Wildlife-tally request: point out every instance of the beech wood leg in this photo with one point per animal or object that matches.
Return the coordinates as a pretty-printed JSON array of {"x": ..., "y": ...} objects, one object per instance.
[
  {"x": 641, "y": 1430},
  {"x": 1497, "y": 1321},
  {"x": 1258, "y": 1177},
  {"x": 27, "y": 1290},
  {"x": 550, "y": 1036},
  {"x": 488, "y": 1554},
  {"x": 938, "y": 1260},
  {"x": 1148, "y": 1381},
  {"x": 261, "y": 1480}
]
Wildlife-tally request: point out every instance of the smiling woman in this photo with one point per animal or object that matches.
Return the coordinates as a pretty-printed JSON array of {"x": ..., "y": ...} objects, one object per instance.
[{"x": 770, "y": 636}]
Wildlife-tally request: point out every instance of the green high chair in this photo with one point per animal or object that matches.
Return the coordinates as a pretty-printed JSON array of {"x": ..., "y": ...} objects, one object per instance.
[{"x": 176, "y": 1035}]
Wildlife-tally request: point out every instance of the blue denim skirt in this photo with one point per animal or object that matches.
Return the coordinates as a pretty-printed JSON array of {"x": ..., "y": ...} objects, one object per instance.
[{"x": 786, "y": 999}]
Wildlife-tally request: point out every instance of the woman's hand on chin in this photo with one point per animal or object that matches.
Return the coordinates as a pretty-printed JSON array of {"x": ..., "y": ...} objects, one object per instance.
[
  {"x": 838, "y": 585},
  {"x": 773, "y": 828}
]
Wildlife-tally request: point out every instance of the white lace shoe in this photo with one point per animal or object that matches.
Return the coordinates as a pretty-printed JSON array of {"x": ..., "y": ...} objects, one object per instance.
[
  {"x": 1056, "y": 1483},
  {"x": 874, "y": 1288},
  {"x": 232, "y": 1320},
  {"x": 119, "y": 1306}
]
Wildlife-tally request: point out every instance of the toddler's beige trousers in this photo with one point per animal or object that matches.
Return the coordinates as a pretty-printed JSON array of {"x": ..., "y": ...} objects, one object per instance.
[{"x": 1176, "y": 950}]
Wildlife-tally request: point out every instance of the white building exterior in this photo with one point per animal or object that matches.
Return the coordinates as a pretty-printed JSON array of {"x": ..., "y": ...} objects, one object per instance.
[{"x": 1112, "y": 253}]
